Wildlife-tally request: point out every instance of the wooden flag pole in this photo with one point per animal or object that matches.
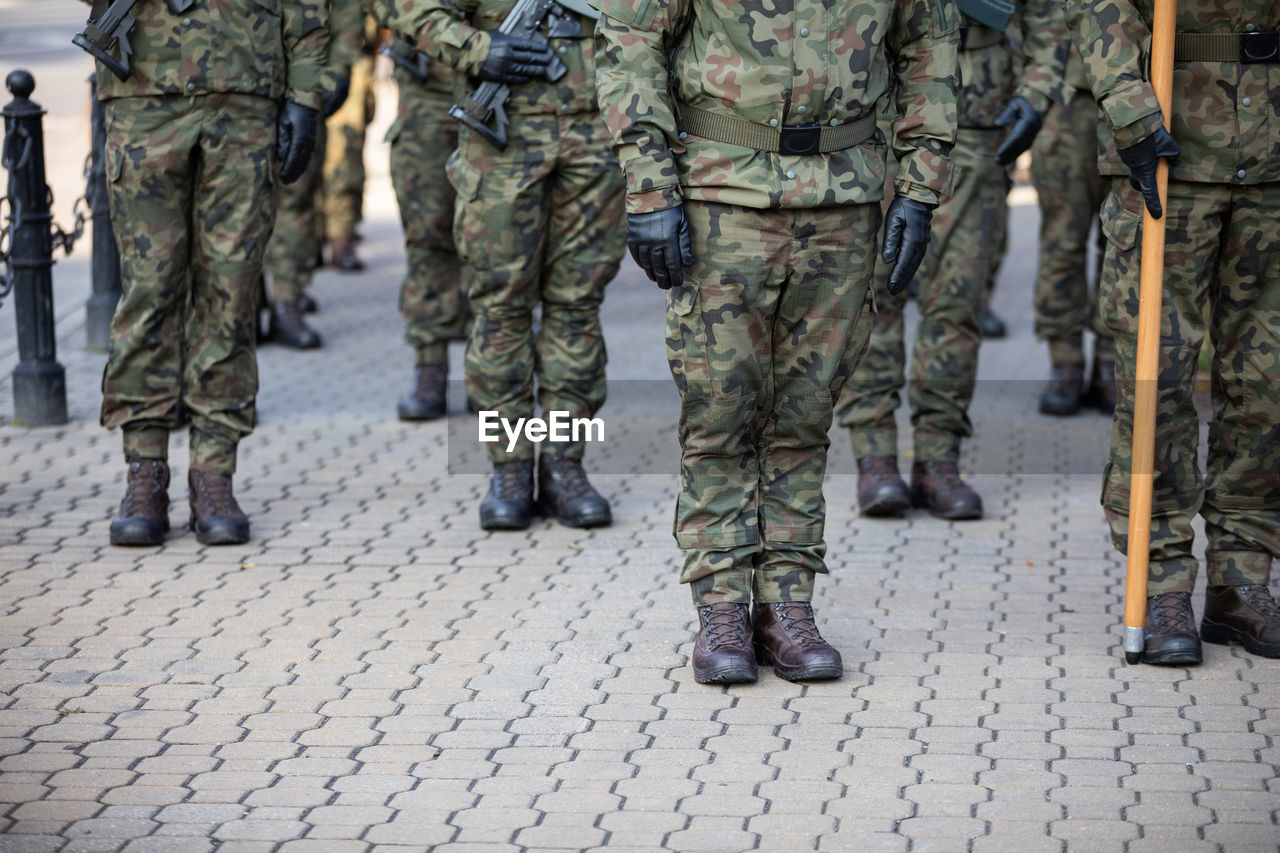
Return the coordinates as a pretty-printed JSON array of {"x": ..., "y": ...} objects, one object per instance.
[{"x": 1149, "y": 315}]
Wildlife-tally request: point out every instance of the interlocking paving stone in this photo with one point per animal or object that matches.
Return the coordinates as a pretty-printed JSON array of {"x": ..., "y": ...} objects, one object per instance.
[{"x": 372, "y": 672}]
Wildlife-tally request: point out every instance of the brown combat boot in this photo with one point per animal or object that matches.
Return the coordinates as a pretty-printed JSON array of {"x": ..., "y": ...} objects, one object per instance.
[
  {"x": 342, "y": 253},
  {"x": 565, "y": 492},
  {"x": 1066, "y": 386},
  {"x": 882, "y": 493},
  {"x": 215, "y": 516},
  {"x": 1245, "y": 614},
  {"x": 426, "y": 402},
  {"x": 787, "y": 637},
  {"x": 508, "y": 505},
  {"x": 143, "y": 518},
  {"x": 1101, "y": 393},
  {"x": 722, "y": 652},
  {"x": 288, "y": 329},
  {"x": 937, "y": 486},
  {"x": 1171, "y": 638}
]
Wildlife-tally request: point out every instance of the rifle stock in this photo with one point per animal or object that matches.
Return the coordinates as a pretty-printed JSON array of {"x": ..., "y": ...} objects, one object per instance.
[{"x": 108, "y": 33}]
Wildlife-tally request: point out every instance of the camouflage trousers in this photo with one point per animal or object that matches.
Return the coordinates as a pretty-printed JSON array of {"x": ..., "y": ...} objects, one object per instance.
[
  {"x": 344, "y": 158},
  {"x": 295, "y": 241},
  {"x": 1221, "y": 251},
  {"x": 192, "y": 184},
  {"x": 765, "y": 330},
  {"x": 422, "y": 138},
  {"x": 1064, "y": 171},
  {"x": 539, "y": 224},
  {"x": 968, "y": 229}
]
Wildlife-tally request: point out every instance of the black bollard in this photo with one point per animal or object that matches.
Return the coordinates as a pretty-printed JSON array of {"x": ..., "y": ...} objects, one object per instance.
[
  {"x": 39, "y": 382},
  {"x": 106, "y": 256}
]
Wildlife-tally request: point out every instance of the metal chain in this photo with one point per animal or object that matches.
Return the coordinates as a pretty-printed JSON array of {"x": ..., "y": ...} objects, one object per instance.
[{"x": 6, "y": 246}]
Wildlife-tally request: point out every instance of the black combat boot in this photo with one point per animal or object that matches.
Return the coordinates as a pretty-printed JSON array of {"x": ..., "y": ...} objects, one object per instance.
[
  {"x": 143, "y": 518},
  {"x": 564, "y": 491},
  {"x": 287, "y": 327},
  {"x": 307, "y": 304},
  {"x": 787, "y": 636},
  {"x": 882, "y": 493},
  {"x": 937, "y": 486},
  {"x": 1171, "y": 631},
  {"x": 722, "y": 652},
  {"x": 215, "y": 516},
  {"x": 990, "y": 324},
  {"x": 1062, "y": 395},
  {"x": 426, "y": 402},
  {"x": 509, "y": 502},
  {"x": 1101, "y": 393},
  {"x": 1245, "y": 614}
]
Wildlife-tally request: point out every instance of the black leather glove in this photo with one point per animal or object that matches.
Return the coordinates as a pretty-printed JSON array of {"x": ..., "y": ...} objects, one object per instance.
[
  {"x": 1026, "y": 124},
  {"x": 513, "y": 59},
  {"x": 906, "y": 236},
  {"x": 331, "y": 102},
  {"x": 1141, "y": 158},
  {"x": 295, "y": 139},
  {"x": 659, "y": 241}
]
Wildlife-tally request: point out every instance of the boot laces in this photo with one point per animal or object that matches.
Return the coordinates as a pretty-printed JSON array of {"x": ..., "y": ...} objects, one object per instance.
[
  {"x": 880, "y": 466},
  {"x": 511, "y": 478},
  {"x": 428, "y": 380},
  {"x": 723, "y": 626},
  {"x": 571, "y": 474},
  {"x": 1259, "y": 598},
  {"x": 946, "y": 473},
  {"x": 146, "y": 479},
  {"x": 796, "y": 619},
  {"x": 1171, "y": 612},
  {"x": 215, "y": 494}
]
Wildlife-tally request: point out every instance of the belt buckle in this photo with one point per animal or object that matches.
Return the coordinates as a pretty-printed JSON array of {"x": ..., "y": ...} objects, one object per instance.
[
  {"x": 800, "y": 138},
  {"x": 1260, "y": 47}
]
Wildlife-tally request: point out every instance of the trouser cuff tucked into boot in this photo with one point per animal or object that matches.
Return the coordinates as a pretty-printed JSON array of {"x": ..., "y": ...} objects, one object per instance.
[
  {"x": 145, "y": 442},
  {"x": 1171, "y": 576},
  {"x": 873, "y": 442},
  {"x": 718, "y": 577},
  {"x": 1237, "y": 568},
  {"x": 1068, "y": 350},
  {"x": 212, "y": 453},
  {"x": 433, "y": 353}
]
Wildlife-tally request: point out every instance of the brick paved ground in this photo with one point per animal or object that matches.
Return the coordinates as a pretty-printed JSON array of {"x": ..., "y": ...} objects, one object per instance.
[{"x": 372, "y": 672}]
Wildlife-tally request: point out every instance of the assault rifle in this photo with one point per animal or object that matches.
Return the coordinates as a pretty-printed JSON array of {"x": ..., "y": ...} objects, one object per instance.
[
  {"x": 404, "y": 54},
  {"x": 488, "y": 100},
  {"x": 109, "y": 33}
]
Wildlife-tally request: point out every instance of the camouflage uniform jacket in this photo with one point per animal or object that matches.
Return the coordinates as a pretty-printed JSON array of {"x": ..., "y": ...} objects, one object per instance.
[
  {"x": 1223, "y": 112},
  {"x": 1033, "y": 68},
  {"x": 348, "y": 33},
  {"x": 777, "y": 64},
  {"x": 276, "y": 49},
  {"x": 456, "y": 32}
]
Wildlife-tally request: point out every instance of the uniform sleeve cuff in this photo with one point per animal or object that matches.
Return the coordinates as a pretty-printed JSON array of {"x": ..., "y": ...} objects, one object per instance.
[
  {"x": 1135, "y": 132},
  {"x": 659, "y": 198},
  {"x": 1129, "y": 106}
]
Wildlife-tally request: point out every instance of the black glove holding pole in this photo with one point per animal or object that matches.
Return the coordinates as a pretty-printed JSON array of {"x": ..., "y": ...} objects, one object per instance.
[
  {"x": 331, "y": 102},
  {"x": 659, "y": 242},
  {"x": 906, "y": 236},
  {"x": 1142, "y": 157},
  {"x": 296, "y": 132}
]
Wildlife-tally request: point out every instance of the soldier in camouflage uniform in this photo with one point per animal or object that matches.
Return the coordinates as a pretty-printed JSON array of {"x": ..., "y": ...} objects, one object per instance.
[
  {"x": 1064, "y": 171},
  {"x": 193, "y": 149},
  {"x": 999, "y": 87},
  {"x": 344, "y": 173},
  {"x": 295, "y": 242},
  {"x": 1222, "y": 250},
  {"x": 431, "y": 301},
  {"x": 539, "y": 223},
  {"x": 761, "y": 172}
]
